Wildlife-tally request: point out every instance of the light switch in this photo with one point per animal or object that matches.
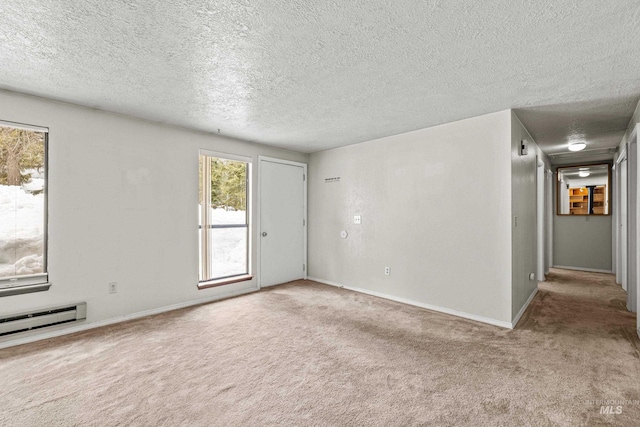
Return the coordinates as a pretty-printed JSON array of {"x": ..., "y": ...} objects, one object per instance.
[{"x": 357, "y": 219}]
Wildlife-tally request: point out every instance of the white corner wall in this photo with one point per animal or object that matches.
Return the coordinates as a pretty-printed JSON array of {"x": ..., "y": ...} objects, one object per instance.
[
  {"x": 435, "y": 206},
  {"x": 123, "y": 197},
  {"x": 523, "y": 207}
]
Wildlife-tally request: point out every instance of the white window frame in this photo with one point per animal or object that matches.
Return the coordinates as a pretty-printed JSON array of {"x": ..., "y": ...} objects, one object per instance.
[
  {"x": 33, "y": 282},
  {"x": 243, "y": 276}
]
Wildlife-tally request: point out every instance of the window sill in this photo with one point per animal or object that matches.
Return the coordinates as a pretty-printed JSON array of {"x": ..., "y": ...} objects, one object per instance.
[
  {"x": 26, "y": 289},
  {"x": 222, "y": 282}
]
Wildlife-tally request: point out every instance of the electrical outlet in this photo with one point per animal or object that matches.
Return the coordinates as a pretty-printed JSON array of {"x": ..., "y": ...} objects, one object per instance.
[
  {"x": 387, "y": 271},
  {"x": 357, "y": 219},
  {"x": 113, "y": 287}
]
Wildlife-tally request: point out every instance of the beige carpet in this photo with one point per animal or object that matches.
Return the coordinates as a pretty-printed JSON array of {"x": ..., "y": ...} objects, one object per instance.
[{"x": 309, "y": 354}]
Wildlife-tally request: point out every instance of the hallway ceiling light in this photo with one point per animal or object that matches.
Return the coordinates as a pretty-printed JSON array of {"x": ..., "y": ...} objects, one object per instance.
[
  {"x": 583, "y": 174},
  {"x": 577, "y": 146}
]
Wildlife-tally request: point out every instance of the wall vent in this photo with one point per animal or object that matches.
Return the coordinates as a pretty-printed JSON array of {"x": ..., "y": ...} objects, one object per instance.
[{"x": 16, "y": 323}]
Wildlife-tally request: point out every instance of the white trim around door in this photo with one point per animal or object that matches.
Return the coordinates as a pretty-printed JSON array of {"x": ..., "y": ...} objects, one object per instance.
[{"x": 262, "y": 159}]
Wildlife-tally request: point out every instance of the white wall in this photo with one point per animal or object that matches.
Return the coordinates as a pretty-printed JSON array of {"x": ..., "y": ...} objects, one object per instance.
[
  {"x": 123, "y": 197},
  {"x": 435, "y": 206},
  {"x": 523, "y": 207},
  {"x": 582, "y": 242},
  {"x": 563, "y": 198}
]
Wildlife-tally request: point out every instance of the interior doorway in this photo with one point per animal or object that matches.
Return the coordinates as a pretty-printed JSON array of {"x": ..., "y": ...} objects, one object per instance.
[
  {"x": 549, "y": 219},
  {"x": 544, "y": 219}
]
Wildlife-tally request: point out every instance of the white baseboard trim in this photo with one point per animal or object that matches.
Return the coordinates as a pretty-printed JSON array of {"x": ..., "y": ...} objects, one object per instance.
[
  {"x": 591, "y": 270},
  {"x": 516, "y": 319},
  {"x": 444, "y": 310},
  {"x": 326, "y": 282},
  {"x": 86, "y": 326}
]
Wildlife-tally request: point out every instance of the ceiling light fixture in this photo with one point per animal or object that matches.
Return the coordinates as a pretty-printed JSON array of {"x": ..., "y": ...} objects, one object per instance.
[
  {"x": 584, "y": 174},
  {"x": 577, "y": 146}
]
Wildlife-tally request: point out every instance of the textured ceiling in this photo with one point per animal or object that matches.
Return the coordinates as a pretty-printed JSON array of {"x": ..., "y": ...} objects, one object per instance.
[
  {"x": 601, "y": 123},
  {"x": 594, "y": 172},
  {"x": 314, "y": 74}
]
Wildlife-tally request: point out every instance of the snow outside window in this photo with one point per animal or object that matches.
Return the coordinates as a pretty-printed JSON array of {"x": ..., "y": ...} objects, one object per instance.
[
  {"x": 224, "y": 218},
  {"x": 23, "y": 201}
]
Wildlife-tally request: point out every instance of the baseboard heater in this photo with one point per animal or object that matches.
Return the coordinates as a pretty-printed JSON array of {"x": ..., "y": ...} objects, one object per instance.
[{"x": 16, "y": 323}]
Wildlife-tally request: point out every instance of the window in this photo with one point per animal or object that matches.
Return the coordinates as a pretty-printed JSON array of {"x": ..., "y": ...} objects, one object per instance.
[
  {"x": 224, "y": 219},
  {"x": 23, "y": 209}
]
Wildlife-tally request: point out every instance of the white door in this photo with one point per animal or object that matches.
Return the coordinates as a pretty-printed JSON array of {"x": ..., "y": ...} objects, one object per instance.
[{"x": 282, "y": 222}]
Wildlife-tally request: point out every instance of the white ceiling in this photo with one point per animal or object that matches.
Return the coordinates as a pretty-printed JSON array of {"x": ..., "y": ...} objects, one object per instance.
[
  {"x": 594, "y": 171},
  {"x": 309, "y": 75}
]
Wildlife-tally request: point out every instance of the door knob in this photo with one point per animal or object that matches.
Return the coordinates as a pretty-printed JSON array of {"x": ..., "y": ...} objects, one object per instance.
[{"x": 264, "y": 234}]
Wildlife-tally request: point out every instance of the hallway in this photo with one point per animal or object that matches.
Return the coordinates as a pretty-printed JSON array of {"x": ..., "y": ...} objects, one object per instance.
[
  {"x": 581, "y": 321},
  {"x": 581, "y": 304}
]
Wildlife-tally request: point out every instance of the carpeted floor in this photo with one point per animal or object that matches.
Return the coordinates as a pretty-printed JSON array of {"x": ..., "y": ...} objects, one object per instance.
[{"x": 310, "y": 354}]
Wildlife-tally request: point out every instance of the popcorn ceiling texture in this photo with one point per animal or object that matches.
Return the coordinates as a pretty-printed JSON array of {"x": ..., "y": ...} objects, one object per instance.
[{"x": 310, "y": 75}]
